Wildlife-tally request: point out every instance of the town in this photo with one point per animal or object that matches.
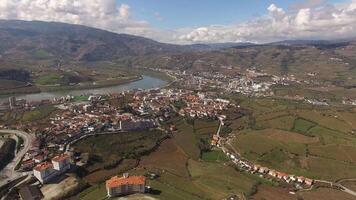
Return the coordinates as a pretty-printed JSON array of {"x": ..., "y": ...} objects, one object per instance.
[{"x": 78, "y": 117}]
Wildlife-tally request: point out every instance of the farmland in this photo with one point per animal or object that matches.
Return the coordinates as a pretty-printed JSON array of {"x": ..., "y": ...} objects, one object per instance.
[{"x": 301, "y": 139}]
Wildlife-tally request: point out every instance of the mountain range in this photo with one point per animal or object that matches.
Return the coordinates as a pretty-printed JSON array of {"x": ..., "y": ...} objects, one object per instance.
[{"x": 30, "y": 42}]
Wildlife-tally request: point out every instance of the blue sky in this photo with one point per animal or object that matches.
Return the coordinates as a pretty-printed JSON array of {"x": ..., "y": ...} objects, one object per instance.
[
  {"x": 175, "y": 14},
  {"x": 199, "y": 21}
]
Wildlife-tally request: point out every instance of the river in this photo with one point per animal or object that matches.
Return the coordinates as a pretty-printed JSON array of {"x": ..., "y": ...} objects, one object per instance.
[{"x": 147, "y": 82}]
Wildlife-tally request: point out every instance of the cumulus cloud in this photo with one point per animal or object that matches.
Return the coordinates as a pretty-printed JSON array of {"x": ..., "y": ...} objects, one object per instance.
[
  {"x": 325, "y": 22},
  {"x": 314, "y": 19},
  {"x": 307, "y": 4},
  {"x": 105, "y": 14}
]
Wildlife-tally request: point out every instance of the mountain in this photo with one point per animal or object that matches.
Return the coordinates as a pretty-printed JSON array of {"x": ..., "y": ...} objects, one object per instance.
[
  {"x": 313, "y": 42},
  {"x": 218, "y": 46},
  {"x": 46, "y": 40}
]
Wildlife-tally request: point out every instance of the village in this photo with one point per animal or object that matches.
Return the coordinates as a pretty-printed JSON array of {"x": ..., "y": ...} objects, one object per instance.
[{"x": 50, "y": 154}]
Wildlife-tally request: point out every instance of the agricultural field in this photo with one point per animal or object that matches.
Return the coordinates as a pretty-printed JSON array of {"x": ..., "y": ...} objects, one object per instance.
[
  {"x": 214, "y": 156},
  {"x": 265, "y": 192},
  {"x": 123, "y": 146},
  {"x": 186, "y": 169},
  {"x": 29, "y": 116},
  {"x": 317, "y": 142}
]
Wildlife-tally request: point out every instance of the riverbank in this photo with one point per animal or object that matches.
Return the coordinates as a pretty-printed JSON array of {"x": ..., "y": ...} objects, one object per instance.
[
  {"x": 141, "y": 82},
  {"x": 156, "y": 74},
  {"x": 39, "y": 89},
  {"x": 101, "y": 84}
]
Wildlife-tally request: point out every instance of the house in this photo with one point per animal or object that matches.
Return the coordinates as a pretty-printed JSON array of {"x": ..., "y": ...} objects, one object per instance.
[
  {"x": 308, "y": 182},
  {"x": 272, "y": 173},
  {"x": 30, "y": 192},
  {"x": 263, "y": 170},
  {"x": 28, "y": 164},
  {"x": 39, "y": 158},
  {"x": 61, "y": 162},
  {"x": 44, "y": 172},
  {"x": 300, "y": 179},
  {"x": 281, "y": 175},
  {"x": 119, "y": 186}
]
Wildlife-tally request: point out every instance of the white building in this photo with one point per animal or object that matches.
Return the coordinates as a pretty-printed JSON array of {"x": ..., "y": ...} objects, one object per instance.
[
  {"x": 44, "y": 172},
  {"x": 61, "y": 162}
]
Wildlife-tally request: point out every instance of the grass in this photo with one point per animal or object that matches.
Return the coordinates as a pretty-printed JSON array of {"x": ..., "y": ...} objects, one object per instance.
[
  {"x": 284, "y": 123},
  {"x": 80, "y": 98},
  {"x": 302, "y": 126},
  {"x": 214, "y": 156},
  {"x": 185, "y": 134},
  {"x": 37, "y": 114},
  {"x": 41, "y": 54},
  {"x": 95, "y": 192},
  {"x": 122, "y": 145},
  {"x": 49, "y": 79},
  {"x": 29, "y": 116},
  {"x": 298, "y": 138}
]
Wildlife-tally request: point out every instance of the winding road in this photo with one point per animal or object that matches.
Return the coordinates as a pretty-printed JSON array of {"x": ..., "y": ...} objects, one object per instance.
[{"x": 9, "y": 173}]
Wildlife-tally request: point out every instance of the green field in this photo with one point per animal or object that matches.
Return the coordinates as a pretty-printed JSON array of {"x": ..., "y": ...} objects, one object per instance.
[
  {"x": 214, "y": 156},
  {"x": 122, "y": 145},
  {"x": 29, "y": 116},
  {"x": 296, "y": 138}
]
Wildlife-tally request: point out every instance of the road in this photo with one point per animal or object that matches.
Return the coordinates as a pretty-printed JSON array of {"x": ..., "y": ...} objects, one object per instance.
[
  {"x": 9, "y": 173},
  {"x": 345, "y": 189},
  {"x": 337, "y": 184}
]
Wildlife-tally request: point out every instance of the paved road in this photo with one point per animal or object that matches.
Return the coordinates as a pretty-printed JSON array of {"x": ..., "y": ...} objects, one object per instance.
[{"x": 9, "y": 173}]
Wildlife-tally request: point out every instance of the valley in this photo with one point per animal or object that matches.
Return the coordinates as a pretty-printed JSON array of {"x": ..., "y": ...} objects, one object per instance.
[{"x": 214, "y": 121}]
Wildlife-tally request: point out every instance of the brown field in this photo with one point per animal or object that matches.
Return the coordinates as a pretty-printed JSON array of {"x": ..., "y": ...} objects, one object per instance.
[
  {"x": 274, "y": 193},
  {"x": 337, "y": 152},
  {"x": 326, "y": 194},
  {"x": 168, "y": 157},
  {"x": 265, "y": 192},
  {"x": 104, "y": 174},
  {"x": 349, "y": 184},
  {"x": 285, "y": 136}
]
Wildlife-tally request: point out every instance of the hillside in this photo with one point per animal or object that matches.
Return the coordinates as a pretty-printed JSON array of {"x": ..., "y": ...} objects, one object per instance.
[
  {"x": 45, "y": 40},
  {"x": 334, "y": 61},
  {"x": 42, "y": 47}
]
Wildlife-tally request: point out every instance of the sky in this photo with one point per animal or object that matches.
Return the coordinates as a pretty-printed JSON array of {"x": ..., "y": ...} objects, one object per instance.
[{"x": 199, "y": 21}]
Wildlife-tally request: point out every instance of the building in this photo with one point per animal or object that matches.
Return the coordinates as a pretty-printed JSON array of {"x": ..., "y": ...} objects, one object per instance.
[
  {"x": 12, "y": 102},
  {"x": 30, "y": 192},
  {"x": 61, "y": 162},
  {"x": 119, "y": 186},
  {"x": 309, "y": 182},
  {"x": 28, "y": 165},
  {"x": 44, "y": 172}
]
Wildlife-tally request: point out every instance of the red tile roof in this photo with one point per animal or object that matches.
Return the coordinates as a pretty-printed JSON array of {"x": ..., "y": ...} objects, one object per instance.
[
  {"x": 60, "y": 157},
  {"x": 131, "y": 180},
  {"x": 43, "y": 166}
]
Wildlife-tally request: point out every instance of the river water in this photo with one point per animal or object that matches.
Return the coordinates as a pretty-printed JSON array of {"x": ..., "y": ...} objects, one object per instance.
[{"x": 147, "y": 82}]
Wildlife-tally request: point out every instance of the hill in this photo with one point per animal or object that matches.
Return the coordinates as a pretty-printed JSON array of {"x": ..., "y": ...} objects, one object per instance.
[
  {"x": 331, "y": 61},
  {"x": 45, "y": 40}
]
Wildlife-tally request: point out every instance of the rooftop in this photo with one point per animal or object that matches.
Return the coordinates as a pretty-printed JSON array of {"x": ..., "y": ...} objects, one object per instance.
[
  {"x": 131, "y": 180},
  {"x": 43, "y": 166},
  {"x": 60, "y": 157}
]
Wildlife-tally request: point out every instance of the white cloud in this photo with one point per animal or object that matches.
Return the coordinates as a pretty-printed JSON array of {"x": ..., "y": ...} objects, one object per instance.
[
  {"x": 105, "y": 14},
  {"x": 311, "y": 20},
  {"x": 325, "y": 22}
]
